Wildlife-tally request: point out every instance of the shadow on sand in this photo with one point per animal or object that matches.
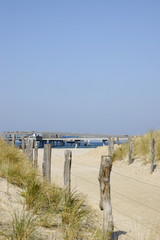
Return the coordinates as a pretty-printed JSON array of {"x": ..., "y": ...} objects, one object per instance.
[
  {"x": 115, "y": 235},
  {"x": 154, "y": 167}
]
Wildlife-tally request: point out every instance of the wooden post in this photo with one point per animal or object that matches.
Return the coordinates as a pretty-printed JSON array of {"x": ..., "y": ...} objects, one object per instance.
[
  {"x": 46, "y": 165},
  {"x": 105, "y": 198},
  {"x": 152, "y": 155},
  {"x": 29, "y": 148},
  {"x": 67, "y": 171},
  {"x": 23, "y": 148},
  {"x": 130, "y": 150},
  {"x": 117, "y": 140},
  {"x": 112, "y": 146},
  {"x": 109, "y": 146},
  {"x": 13, "y": 140},
  {"x": 35, "y": 154}
]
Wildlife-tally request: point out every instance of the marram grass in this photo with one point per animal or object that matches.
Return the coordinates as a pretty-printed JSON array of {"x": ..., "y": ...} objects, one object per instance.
[
  {"x": 76, "y": 217},
  {"x": 23, "y": 226},
  {"x": 141, "y": 147},
  {"x": 14, "y": 167},
  {"x": 73, "y": 216}
]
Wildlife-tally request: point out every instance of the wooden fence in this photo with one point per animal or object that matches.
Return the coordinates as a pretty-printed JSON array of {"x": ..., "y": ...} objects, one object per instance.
[
  {"x": 104, "y": 176},
  {"x": 104, "y": 173}
]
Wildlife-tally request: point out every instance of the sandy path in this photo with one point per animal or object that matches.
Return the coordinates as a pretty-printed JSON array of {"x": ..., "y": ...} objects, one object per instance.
[{"x": 135, "y": 193}]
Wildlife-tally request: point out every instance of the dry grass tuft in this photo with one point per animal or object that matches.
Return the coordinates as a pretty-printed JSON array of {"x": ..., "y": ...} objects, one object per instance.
[
  {"x": 22, "y": 227},
  {"x": 141, "y": 147},
  {"x": 76, "y": 217},
  {"x": 14, "y": 167}
]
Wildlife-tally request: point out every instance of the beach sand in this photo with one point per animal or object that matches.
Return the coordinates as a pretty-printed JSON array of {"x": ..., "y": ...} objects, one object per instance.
[{"x": 135, "y": 193}]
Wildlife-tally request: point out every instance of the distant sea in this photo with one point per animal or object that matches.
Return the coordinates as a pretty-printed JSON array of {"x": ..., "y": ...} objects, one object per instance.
[{"x": 91, "y": 144}]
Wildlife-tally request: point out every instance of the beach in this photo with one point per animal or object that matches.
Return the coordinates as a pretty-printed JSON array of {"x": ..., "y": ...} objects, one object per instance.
[{"x": 135, "y": 193}]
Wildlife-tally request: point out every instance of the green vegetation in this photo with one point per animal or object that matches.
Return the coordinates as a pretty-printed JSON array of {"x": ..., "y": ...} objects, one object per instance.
[
  {"x": 76, "y": 215},
  {"x": 23, "y": 227},
  {"x": 141, "y": 147},
  {"x": 14, "y": 167},
  {"x": 47, "y": 201},
  {"x": 70, "y": 215}
]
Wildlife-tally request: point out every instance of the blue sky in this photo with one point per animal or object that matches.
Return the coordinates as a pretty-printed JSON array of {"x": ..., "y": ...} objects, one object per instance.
[{"x": 80, "y": 65}]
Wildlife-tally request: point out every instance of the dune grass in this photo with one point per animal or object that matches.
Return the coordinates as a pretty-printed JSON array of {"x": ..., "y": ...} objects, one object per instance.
[
  {"x": 73, "y": 216},
  {"x": 47, "y": 202},
  {"x": 141, "y": 147},
  {"x": 14, "y": 167},
  {"x": 76, "y": 217},
  {"x": 23, "y": 226}
]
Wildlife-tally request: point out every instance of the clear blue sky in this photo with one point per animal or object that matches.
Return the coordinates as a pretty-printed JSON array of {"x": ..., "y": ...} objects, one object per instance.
[{"x": 80, "y": 65}]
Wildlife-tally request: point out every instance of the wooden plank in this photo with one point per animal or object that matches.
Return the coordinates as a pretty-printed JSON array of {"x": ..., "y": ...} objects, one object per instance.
[
  {"x": 46, "y": 165},
  {"x": 105, "y": 198}
]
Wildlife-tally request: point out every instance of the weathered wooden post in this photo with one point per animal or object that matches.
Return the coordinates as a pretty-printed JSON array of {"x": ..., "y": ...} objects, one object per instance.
[
  {"x": 109, "y": 146},
  {"x": 67, "y": 172},
  {"x": 35, "y": 154},
  {"x": 113, "y": 145},
  {"x": 46, "y": 165},
  {"x": 29, "y": 148},
  {"x": 130, "y": 150},
  {"x": 152, "y": 155},
  {"x": 105, "y": 198},
  {"x": 117, "y": 140},
  {"x": 23, "y": 148},
  {"x": 13, "y": 140}
]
